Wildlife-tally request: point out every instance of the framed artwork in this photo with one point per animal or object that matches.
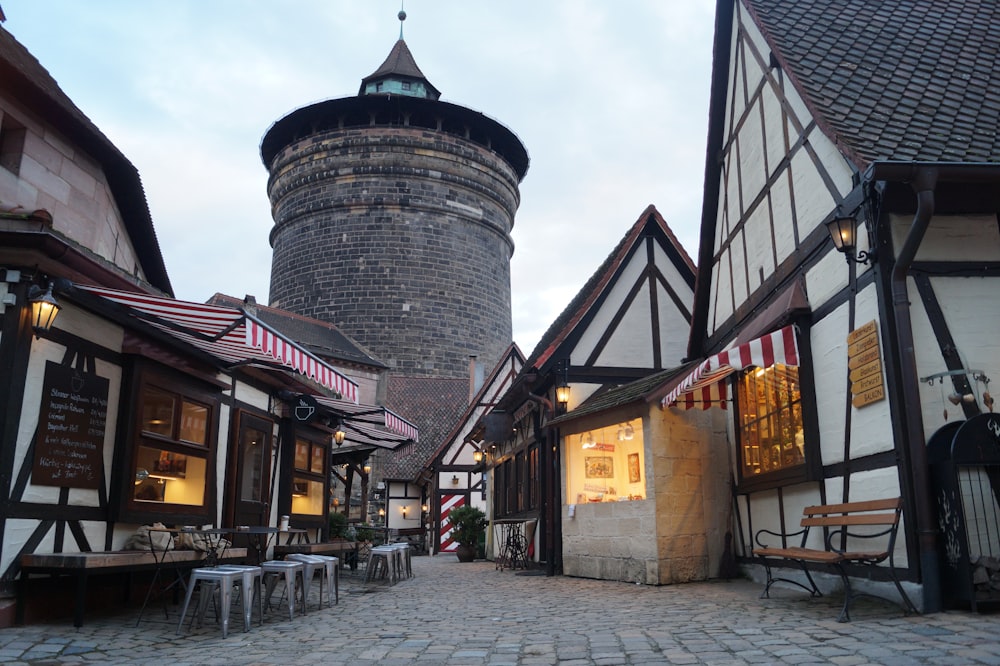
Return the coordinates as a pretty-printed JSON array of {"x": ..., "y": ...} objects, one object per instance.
[
  {"x": 599, "y": 467},
  {"x": 633, "y": 468}
]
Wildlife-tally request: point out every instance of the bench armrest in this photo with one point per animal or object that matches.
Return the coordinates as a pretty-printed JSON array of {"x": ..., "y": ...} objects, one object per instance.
[{"x": 781, "y": 535}]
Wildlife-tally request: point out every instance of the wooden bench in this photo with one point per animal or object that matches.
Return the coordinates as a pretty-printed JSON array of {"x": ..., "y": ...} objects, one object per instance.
[
  {"x": 83, "y": 565},
  {"x": 841, "y": 541}
]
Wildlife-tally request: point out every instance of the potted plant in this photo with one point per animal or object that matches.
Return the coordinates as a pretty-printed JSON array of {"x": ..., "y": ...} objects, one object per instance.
[{"x": 468, "y": 527}]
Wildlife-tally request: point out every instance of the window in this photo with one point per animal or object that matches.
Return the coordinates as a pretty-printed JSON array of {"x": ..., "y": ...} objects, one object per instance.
[
  {"x": 606, "y": 464},
  {"x": 769, "y": 424},
  {"x": 11, "y": 144},
  {"x": 309, "y": 480},
  {"x": 172, "y": 454}
]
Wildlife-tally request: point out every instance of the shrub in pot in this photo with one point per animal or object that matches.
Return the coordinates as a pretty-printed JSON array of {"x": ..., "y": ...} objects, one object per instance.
[{"x": 468, "y": 527}]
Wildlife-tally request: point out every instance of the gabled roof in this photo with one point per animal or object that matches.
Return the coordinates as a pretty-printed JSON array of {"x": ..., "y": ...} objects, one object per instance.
[
  {"x": 577, "y": 309},
  {"x": 399, "y": 65},
  {"x": 32, "y": 85},
  {"x": 317, "y": 336},
  {"x": 917, "y": 80}
]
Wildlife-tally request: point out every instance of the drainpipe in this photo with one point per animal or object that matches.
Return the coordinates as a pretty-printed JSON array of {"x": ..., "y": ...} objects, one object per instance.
[{"x": 923, "y": 184}]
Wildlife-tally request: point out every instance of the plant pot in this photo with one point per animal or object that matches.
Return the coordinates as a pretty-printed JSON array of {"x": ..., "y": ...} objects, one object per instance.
[{"x": 465, "y": 553}]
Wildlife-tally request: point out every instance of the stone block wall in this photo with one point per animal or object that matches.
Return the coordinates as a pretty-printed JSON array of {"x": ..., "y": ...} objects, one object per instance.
[{"x": 401, "y": 237}]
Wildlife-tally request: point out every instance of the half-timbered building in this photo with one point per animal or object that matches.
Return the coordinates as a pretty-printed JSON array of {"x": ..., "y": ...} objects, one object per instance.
[
  {"x": 585, "y": 490},
  {"x": 869, "y": 127},
  {"x": 120, "y": 405}
]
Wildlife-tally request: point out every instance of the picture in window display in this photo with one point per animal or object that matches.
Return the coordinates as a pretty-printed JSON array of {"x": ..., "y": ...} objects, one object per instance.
[{"x": 606, "y": 464}]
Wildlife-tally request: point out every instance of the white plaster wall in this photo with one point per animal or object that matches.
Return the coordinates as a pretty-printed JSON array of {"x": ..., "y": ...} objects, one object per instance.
[
  {"x": 952, "y": 238},
  {"x": 871, "y": 485}
]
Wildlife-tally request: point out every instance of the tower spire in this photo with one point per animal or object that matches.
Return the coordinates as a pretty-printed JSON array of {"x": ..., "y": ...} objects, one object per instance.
[{"x": 402, "y": 17}]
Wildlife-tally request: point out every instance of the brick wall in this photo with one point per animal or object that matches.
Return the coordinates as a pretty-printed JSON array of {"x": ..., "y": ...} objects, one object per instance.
[{"x": 401, "y": 237}]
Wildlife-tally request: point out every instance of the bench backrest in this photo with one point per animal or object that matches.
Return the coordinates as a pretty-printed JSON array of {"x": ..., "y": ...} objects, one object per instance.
[{"x": 853, "y": 513}]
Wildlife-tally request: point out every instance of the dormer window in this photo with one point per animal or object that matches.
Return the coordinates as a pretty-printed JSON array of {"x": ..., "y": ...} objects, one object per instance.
[{"x": 406, "y": 85}]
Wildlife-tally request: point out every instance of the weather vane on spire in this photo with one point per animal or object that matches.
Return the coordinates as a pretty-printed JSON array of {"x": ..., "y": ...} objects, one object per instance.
[{"x": 402, "y": 17}]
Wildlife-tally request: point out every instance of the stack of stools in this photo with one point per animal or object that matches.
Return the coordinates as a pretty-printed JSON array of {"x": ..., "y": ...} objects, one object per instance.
[
  {"x": 404, "y": 564},
  {"x": 251, "y": 589},
  {"x": 328, "y": 568},
  {"x": 381, "y": 563},
  {"x": 212, "y": 579},
  {"x": 294, "y": 574}
]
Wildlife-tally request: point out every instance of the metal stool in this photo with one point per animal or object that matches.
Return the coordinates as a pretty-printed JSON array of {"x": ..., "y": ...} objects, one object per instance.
[
  {"x": 251, "y": 589},
  {"x": 275, "y": 569},
  {"x": 329, "y": 572},
  {"x": 213, "y": 578},
  {"x": 381, "y": 563}
]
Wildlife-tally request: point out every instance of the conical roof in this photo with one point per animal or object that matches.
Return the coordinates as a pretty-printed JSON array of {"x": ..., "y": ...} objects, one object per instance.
[{"x": 399, "y": 75}]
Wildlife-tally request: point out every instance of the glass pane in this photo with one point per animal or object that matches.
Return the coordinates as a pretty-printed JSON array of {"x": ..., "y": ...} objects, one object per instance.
[
  {"x": 168, "y": 477},
  {"x": 157, "y": 412},
  {"x": 252, "y": 444},
  {"x": 318, "y": 457},
  {"x": 301, "y": 455},
  {"x": 604, "y": 465},
  {"x": 194, "y": 423},
  {"x": 307, "y": 496},
  {"x": 771, "y": 433}
]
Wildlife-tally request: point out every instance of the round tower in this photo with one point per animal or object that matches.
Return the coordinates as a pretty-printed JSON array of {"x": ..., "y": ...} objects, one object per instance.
[{"x": 392, "y": 217}]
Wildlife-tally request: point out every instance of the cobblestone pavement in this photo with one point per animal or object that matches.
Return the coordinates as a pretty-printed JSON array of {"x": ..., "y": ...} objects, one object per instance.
[{"x": 452, "y": 613}]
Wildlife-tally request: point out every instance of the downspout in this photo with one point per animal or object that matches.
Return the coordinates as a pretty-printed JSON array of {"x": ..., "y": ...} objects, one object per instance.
[{"x": 927, "y": 533}]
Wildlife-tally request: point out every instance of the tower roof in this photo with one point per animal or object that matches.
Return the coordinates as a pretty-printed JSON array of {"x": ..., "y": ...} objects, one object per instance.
[{"x": 399, "y": 75}]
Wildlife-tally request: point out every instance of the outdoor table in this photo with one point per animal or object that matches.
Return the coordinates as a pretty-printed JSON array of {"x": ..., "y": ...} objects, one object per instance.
[
  {"x": 511, "y": 544},
  {"x": 259, "y": 537},
  {"x": 213, "y": 541}
]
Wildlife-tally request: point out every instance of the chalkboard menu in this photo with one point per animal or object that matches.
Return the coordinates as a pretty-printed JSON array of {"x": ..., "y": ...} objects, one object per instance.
[{"x": 69, "y": 451}]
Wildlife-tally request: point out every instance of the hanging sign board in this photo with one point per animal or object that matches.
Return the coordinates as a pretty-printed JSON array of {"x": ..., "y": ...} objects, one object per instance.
[
  {"x": 865, "y": 365},
  {"x": 69, "y": 450}
]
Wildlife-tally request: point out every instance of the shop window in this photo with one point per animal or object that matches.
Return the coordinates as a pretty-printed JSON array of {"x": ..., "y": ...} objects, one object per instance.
[
  {"x": 606, "y": 464},
  {"x": 172, "y": 453},
  {"x": 769, "y": 418},
  {"x": 308, "y": 479}
]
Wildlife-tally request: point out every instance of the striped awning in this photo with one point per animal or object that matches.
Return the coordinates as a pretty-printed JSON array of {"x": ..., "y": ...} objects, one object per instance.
[
  {"x": 371, "y": 414},
  {"x": 705, "y": 387},
  {"x": 229, "y": 334}
]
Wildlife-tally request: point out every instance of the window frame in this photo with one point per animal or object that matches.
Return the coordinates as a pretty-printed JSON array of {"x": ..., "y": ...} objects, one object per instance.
[
  {"x": 183, "y": 389},
  {"x": 315, "y": 442}
]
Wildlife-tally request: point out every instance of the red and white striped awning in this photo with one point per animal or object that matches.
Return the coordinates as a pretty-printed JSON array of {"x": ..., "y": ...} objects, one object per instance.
[
  {"x": 371, "y": 414},
  {"x": 229, "y": 334},
  {"x": 705, "y": 387}
]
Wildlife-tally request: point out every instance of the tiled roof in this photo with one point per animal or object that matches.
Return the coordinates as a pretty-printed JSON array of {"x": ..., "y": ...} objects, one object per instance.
[
  {"x": 434, "y": 405},
  {"x": 398, "y": 64},
  {"x": 317, "y": 336},
  {"x": 907, "y": 80},
  {"x": 619, "y": 396}
]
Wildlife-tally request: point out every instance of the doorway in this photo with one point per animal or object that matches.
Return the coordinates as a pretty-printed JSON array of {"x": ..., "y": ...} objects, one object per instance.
[{"x": 250, "y": 471}]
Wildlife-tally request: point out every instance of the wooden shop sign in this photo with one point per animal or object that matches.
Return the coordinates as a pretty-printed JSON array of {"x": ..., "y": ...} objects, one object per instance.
[{"x": 865, "y": 365}]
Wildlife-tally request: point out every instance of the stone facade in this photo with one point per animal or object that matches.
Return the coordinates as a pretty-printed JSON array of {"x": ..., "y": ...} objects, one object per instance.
[
  {"x": 401, "y": 237},
  {"x": 677, "y": 534}
]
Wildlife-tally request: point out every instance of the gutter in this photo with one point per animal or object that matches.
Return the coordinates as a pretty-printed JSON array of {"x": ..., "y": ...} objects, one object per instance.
[{"x": 923, "y": 177}]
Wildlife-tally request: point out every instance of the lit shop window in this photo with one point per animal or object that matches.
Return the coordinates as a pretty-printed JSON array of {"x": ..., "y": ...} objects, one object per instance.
[
  {"x": 172, "y": 454},
  {"x": 308, "y": 480},
  {"x": 606, "y": 464},
  {"x": 769, "y": 406}
]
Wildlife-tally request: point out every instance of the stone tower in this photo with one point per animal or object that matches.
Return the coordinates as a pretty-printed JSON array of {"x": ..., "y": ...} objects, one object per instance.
[{"x": 392, "y": 217}]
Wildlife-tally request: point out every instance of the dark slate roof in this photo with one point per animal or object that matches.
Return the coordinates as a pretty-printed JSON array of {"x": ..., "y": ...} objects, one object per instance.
[
  {"x": 399, "y": 64},
  {"x": 905, "y": 80},
  {"x": 317, "y": 336},
  {"x": 434, "y": 405},
  {"x": 594, "y": 287},
  {"x": 618, "y": 396},
  {"x": 32, "y": 85}
]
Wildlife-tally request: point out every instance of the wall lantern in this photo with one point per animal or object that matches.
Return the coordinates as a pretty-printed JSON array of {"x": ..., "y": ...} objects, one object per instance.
[
  {"x": 562, "y": 393},
  {"x": 454, "y": 479},
  {"x": 44, "y": 308},
  {"x": 424, "y": 508},
  {"x": 367, "y": 468},
  {"x": 404, "y": 510},
  {"x": 844, "y": 230},
  {"x": 477, "y": 456},
  {"x": 381, "y": 512},
  {"x": 338, "y": 436}
]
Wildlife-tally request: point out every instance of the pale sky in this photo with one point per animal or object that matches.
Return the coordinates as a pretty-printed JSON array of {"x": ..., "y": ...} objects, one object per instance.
[{"x": 609, "y": 97}]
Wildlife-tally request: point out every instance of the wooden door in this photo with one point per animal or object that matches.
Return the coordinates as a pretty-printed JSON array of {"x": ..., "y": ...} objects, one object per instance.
[{"x": 251, "y": 462}]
